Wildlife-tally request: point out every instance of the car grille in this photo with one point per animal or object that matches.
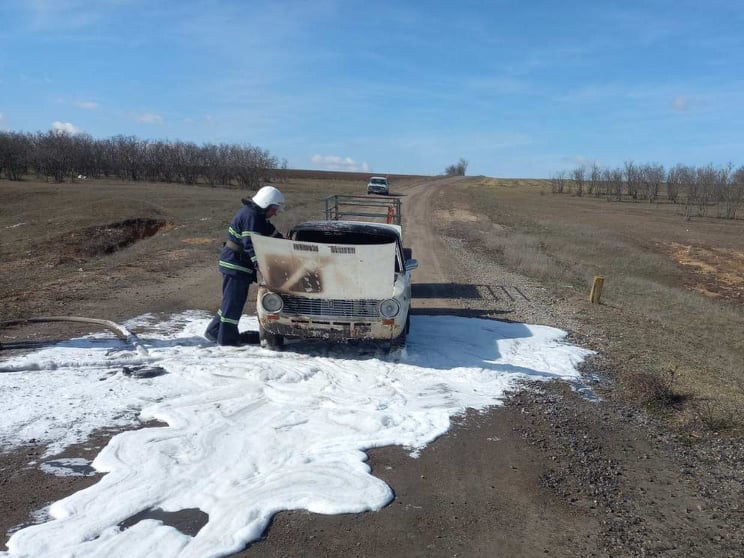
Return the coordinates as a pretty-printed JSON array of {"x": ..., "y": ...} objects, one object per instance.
[{"x": 325, "y": 307}]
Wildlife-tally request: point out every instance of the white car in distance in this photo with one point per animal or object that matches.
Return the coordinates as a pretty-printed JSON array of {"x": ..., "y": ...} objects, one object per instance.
[{"x": 378, "y": 185}]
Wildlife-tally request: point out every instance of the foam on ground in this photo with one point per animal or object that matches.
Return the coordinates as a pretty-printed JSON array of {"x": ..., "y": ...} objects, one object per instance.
[{"x": 250, "y": 432}]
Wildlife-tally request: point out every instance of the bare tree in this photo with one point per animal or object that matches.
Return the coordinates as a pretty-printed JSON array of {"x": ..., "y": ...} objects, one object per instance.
[
  {"x": 689, "y": 182},
  {"x": 606, "y": 181},
  {"x": 631, "y": 179},
  {"x": 652, "y": 178},
  {"x": 54, "y": 154},
  {"x": 616, "y": 184},
  {"x": 729, "y": 191},
  {"x": 15, "y": 153},
  {"x": 736, "y": 199},
  {"x": 579, "y": 174},
  {"x": 252, "y": 165},
  {"x": 83, "y": 160},
  {"x": 558, "y": 182},
  {"x": 706, "y": 178},
  {"x": 595, "y": 179},
  {"x": 458, "y": 169},
  {"x": 210, "y": 154},
  {"x": 674, "y": 182}
]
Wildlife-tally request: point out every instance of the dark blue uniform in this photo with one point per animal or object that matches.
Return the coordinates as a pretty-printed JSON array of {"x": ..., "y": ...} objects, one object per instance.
[{"x": 238, "y": 269}]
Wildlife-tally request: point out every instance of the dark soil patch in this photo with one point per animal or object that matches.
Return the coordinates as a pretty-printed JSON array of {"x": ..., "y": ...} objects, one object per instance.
[
  {"x": 107, "y": 239},
  {"x": 188, "y": 521}
]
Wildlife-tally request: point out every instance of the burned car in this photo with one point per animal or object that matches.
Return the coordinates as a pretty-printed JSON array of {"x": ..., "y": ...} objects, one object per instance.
[{"x": 334, "y": 280}]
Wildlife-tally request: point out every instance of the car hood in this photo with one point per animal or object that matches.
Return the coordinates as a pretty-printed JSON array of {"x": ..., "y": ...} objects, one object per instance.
[{"x": 328, "y": 271}]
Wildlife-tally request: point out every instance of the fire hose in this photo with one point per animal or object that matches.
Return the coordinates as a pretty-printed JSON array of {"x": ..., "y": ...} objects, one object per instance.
[{"x": 120, "y": 331}]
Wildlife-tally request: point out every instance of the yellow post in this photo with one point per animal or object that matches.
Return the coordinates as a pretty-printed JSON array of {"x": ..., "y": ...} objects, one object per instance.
[{"x": 596, "y": 292}]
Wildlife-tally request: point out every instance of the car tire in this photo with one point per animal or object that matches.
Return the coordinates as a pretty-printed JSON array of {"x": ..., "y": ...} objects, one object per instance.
[{"x": 269, "y": 340}]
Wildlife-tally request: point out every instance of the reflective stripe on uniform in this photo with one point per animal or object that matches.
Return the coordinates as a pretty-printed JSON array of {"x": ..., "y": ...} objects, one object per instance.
[
  {"x": 229, "y": 265},
  {"x": 237, "y": 234},
  {"x": 226, "y": 320}
]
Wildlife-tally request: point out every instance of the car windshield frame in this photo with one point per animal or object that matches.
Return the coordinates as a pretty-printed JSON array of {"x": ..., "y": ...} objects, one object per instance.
[{"x": 344, "y": 233}]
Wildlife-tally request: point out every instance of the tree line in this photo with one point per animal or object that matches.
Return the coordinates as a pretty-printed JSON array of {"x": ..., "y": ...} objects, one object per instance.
[
  {"x": 700, "y": 190},
  {"x": 59, "y": 156}
]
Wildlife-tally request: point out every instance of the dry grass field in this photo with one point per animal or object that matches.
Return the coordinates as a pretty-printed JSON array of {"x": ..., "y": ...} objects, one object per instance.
[
  {"x": 672, "y": 311},
  {"x": 54, "y": 235}
]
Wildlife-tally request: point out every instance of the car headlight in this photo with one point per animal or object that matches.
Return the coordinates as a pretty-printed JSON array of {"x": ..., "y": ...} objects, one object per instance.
[
  {"x": 389, "y": 308},
  {"x": 272, "y": 303}
]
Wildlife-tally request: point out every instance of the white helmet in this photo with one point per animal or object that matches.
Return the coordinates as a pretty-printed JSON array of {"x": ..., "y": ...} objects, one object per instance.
[{"x": 267, "y": 196}]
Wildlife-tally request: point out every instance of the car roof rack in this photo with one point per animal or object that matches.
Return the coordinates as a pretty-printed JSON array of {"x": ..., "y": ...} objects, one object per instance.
[{"x": 371, "y": 208}]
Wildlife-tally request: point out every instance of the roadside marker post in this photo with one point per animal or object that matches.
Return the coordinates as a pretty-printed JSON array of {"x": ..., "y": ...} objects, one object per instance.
[{"x": 596, "y": 291}]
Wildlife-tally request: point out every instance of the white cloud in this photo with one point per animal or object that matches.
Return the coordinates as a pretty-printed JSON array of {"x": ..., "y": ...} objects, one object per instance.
[
  {"x": 334, "y": 162},
  {"x": 86, "y": 104},
  {"x": 680, "y": 103},
  {"x": 65, "y": 128},
  {"x": 2, "y": 117},
  {"x": 149, "y": 118}
]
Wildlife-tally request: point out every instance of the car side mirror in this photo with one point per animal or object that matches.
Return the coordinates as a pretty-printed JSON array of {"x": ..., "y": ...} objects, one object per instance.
[{"x": 411, "y": 264}]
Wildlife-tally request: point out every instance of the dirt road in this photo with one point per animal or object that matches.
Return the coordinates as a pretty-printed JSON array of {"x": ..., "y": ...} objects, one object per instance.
[
  {"x": 549, "y": 474},
  {"x": 475, "y": 491}
]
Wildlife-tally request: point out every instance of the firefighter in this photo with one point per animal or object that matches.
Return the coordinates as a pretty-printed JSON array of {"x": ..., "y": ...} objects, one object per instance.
[{"x": 238, "y": 262}]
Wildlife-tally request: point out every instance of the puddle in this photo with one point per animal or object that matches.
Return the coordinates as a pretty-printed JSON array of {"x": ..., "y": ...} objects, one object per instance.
[{"x": 68, "y": 467}]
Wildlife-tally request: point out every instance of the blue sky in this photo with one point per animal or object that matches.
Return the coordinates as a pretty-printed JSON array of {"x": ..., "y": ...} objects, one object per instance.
[{"x": 517, "y": 88}]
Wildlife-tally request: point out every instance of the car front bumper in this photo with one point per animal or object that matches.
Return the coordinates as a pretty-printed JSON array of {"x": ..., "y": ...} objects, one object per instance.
[{"x": 331, "y": 329}]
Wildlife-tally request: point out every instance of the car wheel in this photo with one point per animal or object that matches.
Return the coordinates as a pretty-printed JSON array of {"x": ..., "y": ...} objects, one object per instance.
[{"x": 272, "y": 341}]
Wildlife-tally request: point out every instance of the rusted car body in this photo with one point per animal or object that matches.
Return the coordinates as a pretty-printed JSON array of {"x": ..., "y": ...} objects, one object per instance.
[{"x": 334, "y": 280}]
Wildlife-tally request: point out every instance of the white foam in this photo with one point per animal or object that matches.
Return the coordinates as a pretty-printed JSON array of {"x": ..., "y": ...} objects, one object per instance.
[{"x": 251, "y": 432}]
